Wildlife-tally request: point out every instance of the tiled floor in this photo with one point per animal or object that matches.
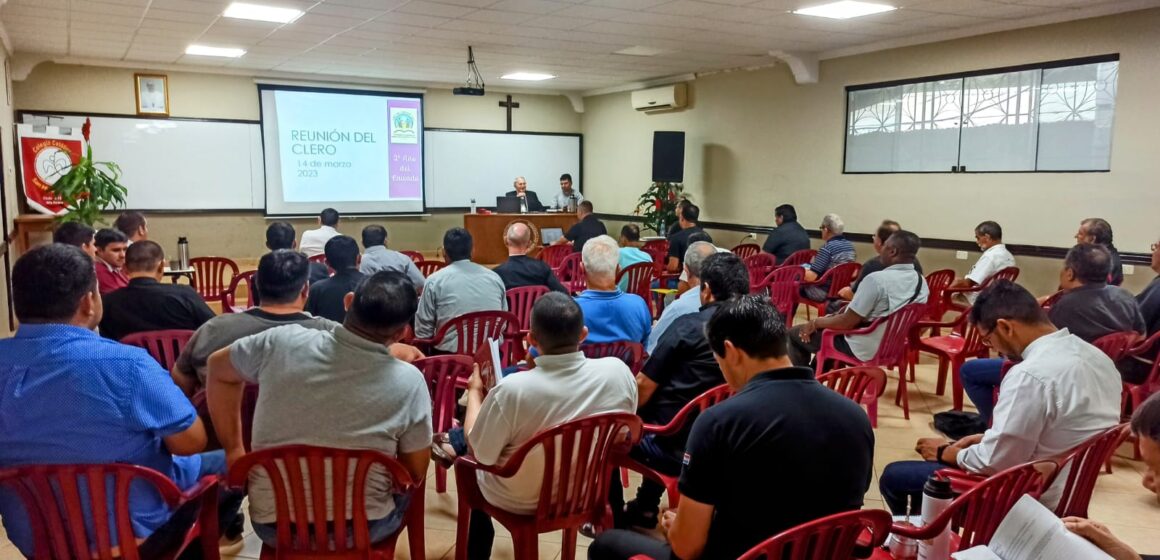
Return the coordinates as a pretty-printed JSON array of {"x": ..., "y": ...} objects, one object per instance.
[{"x": 1120, "y": 501}]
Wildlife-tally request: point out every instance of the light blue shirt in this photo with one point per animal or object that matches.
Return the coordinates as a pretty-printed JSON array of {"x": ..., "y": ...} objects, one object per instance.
[
  {"x": 614, "y": 316},
  {"x": 686, "y": 303},
  {"x": 378, "y": 258},
  {"x": 628, "y": 257}
]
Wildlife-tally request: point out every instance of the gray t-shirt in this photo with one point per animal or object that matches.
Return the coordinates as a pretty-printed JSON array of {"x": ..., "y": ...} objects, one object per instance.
[
  {"x": 880, "y": 295},
  {"x": 462, "y": 287},
  {"x": 331, "y": 389},
  {"x": 379, "y": 258},
  {"x": 223, "y": 330}
]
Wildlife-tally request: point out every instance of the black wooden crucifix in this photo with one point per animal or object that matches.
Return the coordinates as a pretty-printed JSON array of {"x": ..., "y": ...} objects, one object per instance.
[{"x": 509, "y": 104}]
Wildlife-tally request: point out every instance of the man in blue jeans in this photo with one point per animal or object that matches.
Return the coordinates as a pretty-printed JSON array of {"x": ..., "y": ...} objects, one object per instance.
[{"x": 68, "y": 396}]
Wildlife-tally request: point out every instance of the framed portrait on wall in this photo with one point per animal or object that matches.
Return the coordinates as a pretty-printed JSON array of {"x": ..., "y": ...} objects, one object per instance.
[{"x": 152, "y": 92}]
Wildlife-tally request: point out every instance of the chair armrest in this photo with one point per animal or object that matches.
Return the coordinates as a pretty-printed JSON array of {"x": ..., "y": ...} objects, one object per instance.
[
  {"x": 207, "y": 485},
  {"x": 960, "y": 480},
  {"x": 423, "y": 344},
  {"x": 952, "y": 291},
  {"x": 506, "y": 470},
  {"x": 864, "y": 330}
]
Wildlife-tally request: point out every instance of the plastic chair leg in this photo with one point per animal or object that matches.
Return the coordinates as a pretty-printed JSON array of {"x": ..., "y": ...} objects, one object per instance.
[
  {"x": 624, "y": 477},
  {"x": 462, "y": 522},
  {"x": 957, "y": 383},
  {"x": 568, "y": 545},
  {"x": 871, "y": 409},
  {"x": 440, "y": 479},
  {"x": 416, "y": 531},
  {"x": 903, "y": 396},
  {"x": 941, "y": 388},
  {"x": 526, "y": 544}
]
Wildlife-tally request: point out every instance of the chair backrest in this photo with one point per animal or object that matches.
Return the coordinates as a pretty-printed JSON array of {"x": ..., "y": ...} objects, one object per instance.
[
  {"x": 840, "y": 276},
  {"x": 799, "y": 258},
  {"x": 759, "y": 266},
  {"x": 444, "y": 375},
  {"x": 786, "y": 274},
  {"x": 1083, "y": 465},
  {"x": 427, "y": 268},
  {"x": 746, "y": 250},
  {"x": 829, "y": 538},
  {"x": 783, "y": 295},
  {"x": 473, "y": 329},
  {"x": 1117, "y": 345},
  {"x": 230, "y": 300},
  {"x": 659, "y": 245},
  {"x": 291, "y": 467},
  {"x": 896, "y": 335},
  {"x": 631, "y": 353},
  {"x": 937, "y": 282},
  {"x": 640, "y": 277},
  {"x": 553, "y": 255},
  {"x": 659, "y": 258},
  {"x": 520, "y": 301},
  {"x": 695, "y": 407},
  {"x": 976, "y": 514},
  {"x": 578, "y": 459},
  {"x": 164, "y": 346},
  {"x": 853, "y": 383},
  {"x": 1051, "y": 300},
  {"x": 212, "y": 275},
  {"x": 415, "y": 256},
  {"x": 972, "y": 339},
  {"x": 319, "y": 258},
  {"x": 571, "y": 273},
  {"x": 249, "y": 407},
  {"x": 1010, "y": 273},
  {"x": 82, "y": 511}
]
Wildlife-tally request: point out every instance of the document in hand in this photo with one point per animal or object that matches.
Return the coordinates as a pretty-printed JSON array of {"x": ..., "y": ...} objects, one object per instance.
[
  {"x": 1032, "y": 532},
  {"x": 490, "y": 364}
]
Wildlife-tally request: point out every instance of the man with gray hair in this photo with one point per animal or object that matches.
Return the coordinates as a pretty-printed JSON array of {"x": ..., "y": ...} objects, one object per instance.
[
  {"x": 688, "y": 302},
  {"x": 519, "y": 269},
  {"x": 529, "y": 202},
  {"x": 610, "y": 314},
  {"x": 835, "y": 250}
]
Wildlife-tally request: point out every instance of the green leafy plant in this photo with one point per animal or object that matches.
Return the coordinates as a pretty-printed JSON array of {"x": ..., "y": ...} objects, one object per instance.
[
  {"x": 90, "y": 187},
  {"x": 658, "y": 205}
]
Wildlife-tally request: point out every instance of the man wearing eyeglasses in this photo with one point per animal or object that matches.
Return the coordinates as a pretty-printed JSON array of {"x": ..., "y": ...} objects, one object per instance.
[
  {"x": 1062, "y": 392},
  {"x": 1149, "y": 298}
]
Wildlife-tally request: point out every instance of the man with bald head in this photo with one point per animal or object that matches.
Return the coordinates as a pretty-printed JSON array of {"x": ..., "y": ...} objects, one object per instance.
[
  {"x": 529, "y": 202},
  {"x": 520, "y": 269}
]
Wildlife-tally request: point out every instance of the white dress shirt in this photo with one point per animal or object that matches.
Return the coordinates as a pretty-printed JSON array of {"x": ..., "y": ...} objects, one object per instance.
[
  {"x": 314, "y": 240},
  {"x": 1062, "y": 393},
  {"x": 994, "y": 259}
]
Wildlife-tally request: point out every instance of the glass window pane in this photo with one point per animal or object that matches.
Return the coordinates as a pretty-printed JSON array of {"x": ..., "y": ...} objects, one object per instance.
[
  {"x": 1076, "y": 109},
  {"x": 999, "y": 122},
  {"x": 913, "y": 127},
  {"x": 871, "y": 127}
]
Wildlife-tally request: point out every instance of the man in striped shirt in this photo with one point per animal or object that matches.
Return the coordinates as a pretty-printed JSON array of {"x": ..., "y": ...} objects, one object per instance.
[{"x": 836, "y": 250}]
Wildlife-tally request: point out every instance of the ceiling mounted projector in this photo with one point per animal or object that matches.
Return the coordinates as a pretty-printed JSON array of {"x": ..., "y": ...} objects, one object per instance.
[{"x": 474, "y": 83}]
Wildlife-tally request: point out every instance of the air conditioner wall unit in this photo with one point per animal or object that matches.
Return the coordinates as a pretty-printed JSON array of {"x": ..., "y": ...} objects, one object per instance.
[{"x": 664, "y": 98}]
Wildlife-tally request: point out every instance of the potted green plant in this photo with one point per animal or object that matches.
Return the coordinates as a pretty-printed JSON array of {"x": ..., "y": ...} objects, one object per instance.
[
  {"x": 658, "y": 205},
  {"x": 90, "y": 187}
]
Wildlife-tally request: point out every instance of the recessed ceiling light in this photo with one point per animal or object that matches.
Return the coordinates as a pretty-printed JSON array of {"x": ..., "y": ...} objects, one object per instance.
[
  {"x": 845, "y": 9},
  {"x": 527, "y": 76},
  {"x": 202, "y": 50},
  {"x": 640, "y": 50},
  {"x": 242, "y": 10}
]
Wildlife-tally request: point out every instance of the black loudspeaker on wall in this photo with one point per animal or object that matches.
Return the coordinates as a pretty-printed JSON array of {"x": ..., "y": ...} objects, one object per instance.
[{"x": 668, "y": 162}]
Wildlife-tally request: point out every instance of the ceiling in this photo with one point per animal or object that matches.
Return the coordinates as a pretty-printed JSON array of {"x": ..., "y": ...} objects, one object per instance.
[{"x": 424, "y": 41}]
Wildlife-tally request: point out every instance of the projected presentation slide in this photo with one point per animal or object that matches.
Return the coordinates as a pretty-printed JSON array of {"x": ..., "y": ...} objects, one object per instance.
[{"x": 355, "y": 151}]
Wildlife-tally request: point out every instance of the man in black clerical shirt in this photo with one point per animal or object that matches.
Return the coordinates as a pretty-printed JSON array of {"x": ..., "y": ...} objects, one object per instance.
[
  {"x": 521, "y": 270},
  {"x": 679, "y": 242},
  {"x": 326, "y": 296},
  {"x": 743, "y": 482},
  {"x": 789, "y": 237},
  {"x": 679, "y": 370},
  {"x": 587, "y": 228},
  {"x": 148, "y": 305},
  {"x": 529, "y": 202}
]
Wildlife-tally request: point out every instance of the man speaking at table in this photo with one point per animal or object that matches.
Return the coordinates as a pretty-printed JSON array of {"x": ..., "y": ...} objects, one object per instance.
[{"x": 529, "y": 202}]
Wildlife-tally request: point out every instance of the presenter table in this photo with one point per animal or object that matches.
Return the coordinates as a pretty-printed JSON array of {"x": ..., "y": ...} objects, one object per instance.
[{"x": 487, "y": 231}]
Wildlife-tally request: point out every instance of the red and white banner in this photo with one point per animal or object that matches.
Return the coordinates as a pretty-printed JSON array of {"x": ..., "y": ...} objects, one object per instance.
[{"x": 45, "y": 156}]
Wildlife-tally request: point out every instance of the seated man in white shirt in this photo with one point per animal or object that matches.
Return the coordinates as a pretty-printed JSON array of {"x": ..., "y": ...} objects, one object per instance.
[
  {"x": 314, "y": 240},
  {"x": 996, "y": 257},
  {"x": 564, "y": 386},
  {"x": 1063, "y": 392}
]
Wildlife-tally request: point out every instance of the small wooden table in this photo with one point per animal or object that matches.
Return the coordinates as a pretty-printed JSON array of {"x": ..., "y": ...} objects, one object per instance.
[
  {"x": 29, "y": 226},
  {"x": 174, "y": 273},
  {"x": 487, "y": 231}
]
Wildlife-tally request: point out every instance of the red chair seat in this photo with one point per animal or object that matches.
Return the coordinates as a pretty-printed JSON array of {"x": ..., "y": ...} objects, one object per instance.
[{"x": 948, "y": 344}]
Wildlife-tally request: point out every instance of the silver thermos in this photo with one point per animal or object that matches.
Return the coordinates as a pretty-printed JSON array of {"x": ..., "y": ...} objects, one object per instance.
[
  {"x": 572, "y": 203},
  {"x": 182, "y": 253}
]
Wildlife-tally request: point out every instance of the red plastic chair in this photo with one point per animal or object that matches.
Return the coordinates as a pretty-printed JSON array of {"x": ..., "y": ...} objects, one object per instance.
[
  {"x": 798, "y": 258},
  {"x": 640, "y": 277},
  {"x": 520, "y": 301},
  {"x": 319, "y": 258},
  {"x": 1117, "y": 345},
  {"x": 759, "y": 266},
  {"x": 164, "y": 346},
  {"x": 249, "y": 405},
  {"x": 571, "y": 273},
  {"x": 776, "y": 274},
  {"x": 783, "y": 296},
  {"x": 427, "y": 268},
  {"x": 829, "y": 538},
  {"x": 953, "y": 349},
  {"x": 230, "y": 299},
  {"x": 891, "y": 352},
  {"x": 444, "y": 374},
  {"x": 836, "y": 278},
  {"x": 975, "y": 515},
  {"x": 553, "y": 255},
  {"x": 937, "y": 282},
  {"x": 415, "y": 256},
  {"x": 631, "y": 353},
  {"x": 578, "y": 456},
  {"x": 746, "y": 250},
  {"x": 212, "y": 275},
  {"x": 1051, "y": 300},
  {"x": 862, "y": 385},
  {"x": 1135, "y": 394},
  {"x": 687, "y": 414},
  {"x": 472, "y": 330},
  {"x": 290, "y": 467},
  {"x": 659, "y": 245},
  {"x": 60, "y": 511},
  {"x": 1010, "y": 273}
]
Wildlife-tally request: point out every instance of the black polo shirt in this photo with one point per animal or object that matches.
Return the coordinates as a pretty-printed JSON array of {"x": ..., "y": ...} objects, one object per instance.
[
  {"x": 1149, "y": 300},
  {"x": 786, "y": 239},
  {"x": 325, "y": 299},
  {"x": 679, "y": 243},
  {"x": 148, "y": 305},
  {"x": 783, "y": 451},
  {"x": 521, "y": 270},
  {"x": 683, "y": 367},
  {"x": 582, "y": 231},
  {"x": 1094, "y": 310}
]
